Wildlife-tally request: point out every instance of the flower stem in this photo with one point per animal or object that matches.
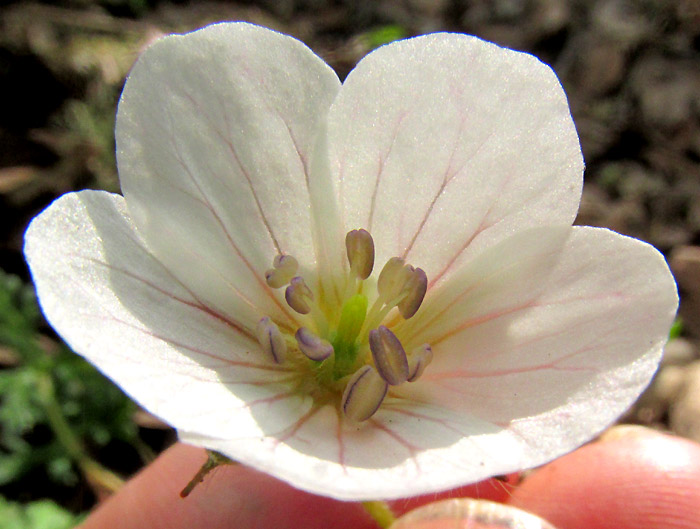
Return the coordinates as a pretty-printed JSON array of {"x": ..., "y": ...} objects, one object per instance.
[
  {"x": 214, "y": 459},
  {"x": 380, "y": 512}
]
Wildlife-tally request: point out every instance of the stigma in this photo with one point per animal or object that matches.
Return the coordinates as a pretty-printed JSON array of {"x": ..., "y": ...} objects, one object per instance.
[{"x": 349, "y": 350}]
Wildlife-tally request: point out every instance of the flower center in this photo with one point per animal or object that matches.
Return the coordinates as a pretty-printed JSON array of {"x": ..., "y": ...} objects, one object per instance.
[{"x": 345, "y": 345}]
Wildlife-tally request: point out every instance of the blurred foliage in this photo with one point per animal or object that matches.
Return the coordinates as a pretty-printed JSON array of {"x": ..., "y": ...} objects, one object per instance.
[
  {"x": 43, "y": 514},
  {"x": 52, "y": 403},
  {"x": 384, "y": 35},
  {"x": 676, "y": 329}
]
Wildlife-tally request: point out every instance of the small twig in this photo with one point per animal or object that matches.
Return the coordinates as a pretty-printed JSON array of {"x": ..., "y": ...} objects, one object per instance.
[{"x": 214, "y": 460}]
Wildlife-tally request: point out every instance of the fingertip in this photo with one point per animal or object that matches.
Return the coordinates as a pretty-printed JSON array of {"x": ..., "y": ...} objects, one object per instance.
[
  {"x": 648, "y": 481},
  {"x": 230, "y": 496}
]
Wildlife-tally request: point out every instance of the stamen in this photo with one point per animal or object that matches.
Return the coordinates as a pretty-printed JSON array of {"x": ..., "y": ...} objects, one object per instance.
[
  {"x": 284, "y": 268},
  {"x": 392, "y": 279},
  {"x": 314, "y": 347},
  {"x": 418, "y": 361},
  {"x": 271, "y": 340},
  {"x": 364, "y": 394},
  {"x": 416, "y": 287},
  {"x": 389, "y": 356},
  {"x": 360, "y": 249},
  {"x": 298, "y": 295}
]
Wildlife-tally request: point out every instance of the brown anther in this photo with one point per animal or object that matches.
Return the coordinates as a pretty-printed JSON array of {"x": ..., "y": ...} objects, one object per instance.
[
  {"x": 360, "y": 250},
  {"x": 418, "y": 360},
  {"x": 298, "y": 295},
  {"x": 415, "y": 287},
  {"x": 392, "y": 279},
  {"x": 283, "y": 269}
]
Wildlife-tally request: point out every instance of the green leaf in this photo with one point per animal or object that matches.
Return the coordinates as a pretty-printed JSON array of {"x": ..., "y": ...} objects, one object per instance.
[
  {"x": 384, "y": 35},
  {"x": 42, "y": 514},
  {"x": 676, "y": 329}
]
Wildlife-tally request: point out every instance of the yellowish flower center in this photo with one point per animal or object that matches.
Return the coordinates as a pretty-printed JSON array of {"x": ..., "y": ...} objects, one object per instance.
[{"x": 345, "y": 347}]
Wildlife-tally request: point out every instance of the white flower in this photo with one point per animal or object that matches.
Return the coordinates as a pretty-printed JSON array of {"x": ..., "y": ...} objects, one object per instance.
[{"x": 238, "y": 146}]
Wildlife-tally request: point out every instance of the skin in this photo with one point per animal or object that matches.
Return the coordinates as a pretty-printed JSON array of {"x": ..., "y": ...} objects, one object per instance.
[{"x": 640, "y": 479}]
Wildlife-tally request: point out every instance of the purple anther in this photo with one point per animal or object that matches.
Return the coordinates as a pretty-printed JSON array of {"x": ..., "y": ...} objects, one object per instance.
[
  {"x": 271, "y": 340},
  {"x": 298, "y": 295},
  {"x": 389, "y": 356},
  {"x": 313, "y": 346},
  {"x": 364, "y": 394}
]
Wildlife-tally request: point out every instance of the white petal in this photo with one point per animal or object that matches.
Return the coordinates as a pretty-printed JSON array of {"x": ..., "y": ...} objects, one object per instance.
[
  {"x": 442, "y": 145},
  {"x": 555, "y": 363},
  {"x": 120, "y": 308},
  {"x": 214, "y": 137}
]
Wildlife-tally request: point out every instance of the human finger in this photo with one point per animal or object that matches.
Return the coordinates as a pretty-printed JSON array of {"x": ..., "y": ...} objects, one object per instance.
[{"x": 641, "y": 481}]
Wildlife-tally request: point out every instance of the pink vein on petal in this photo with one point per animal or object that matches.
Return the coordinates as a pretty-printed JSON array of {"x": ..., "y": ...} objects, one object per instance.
[
  {"x": 339, "y": 438},
  {"x": 244, "y": 171},
  {"x": 175, "y": 343},
  {"x": 380, "y": 169},
  {"x": 261, "y": 382},
  {"x": 483, "y": 226},
  {"x": 446, "y": 424},
  {"x": 291, "y": 431},
  {"x": 462, "y": 373},
  {"x": 198, "y": 305},
  {"x": 222, "y": 225},
  {"x": 411, "y": 448},
  {"x": 447, "y": 177},
  {"x": 270, "y": 400},
  {"x": 205, "y": 262},
  {"x": 484, "y": 318}
]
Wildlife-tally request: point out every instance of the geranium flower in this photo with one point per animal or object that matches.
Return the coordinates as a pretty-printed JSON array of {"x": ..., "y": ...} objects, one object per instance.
[{"x": 261, "y": 286}]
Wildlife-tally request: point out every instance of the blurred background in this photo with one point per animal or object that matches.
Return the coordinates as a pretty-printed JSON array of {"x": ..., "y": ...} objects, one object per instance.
[{"x": 631, "y": 69}]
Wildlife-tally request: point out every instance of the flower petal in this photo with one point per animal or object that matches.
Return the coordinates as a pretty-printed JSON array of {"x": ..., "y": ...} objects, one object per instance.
[
  {"x": 407, "y": 448},
  {"x": 551, "y": 364},
  {"x": 121, "y": 309},
  {"x": 443, "y": 145},
  {"x": 215, "y": 131}
]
